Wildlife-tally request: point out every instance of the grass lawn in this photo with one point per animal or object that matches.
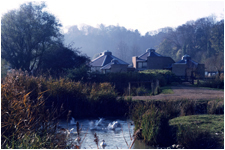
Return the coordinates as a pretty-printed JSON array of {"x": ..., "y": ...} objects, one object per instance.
[
  {"x": 212, "y": 88},
  {"x": 166, "y": 90},
  {"x": 212, "y": 123}
]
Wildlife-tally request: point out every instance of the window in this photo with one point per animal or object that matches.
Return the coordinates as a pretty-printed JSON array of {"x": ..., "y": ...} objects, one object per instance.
[
  {"x": 107, "y": 71},
  {"x": 142, "y": 64}
]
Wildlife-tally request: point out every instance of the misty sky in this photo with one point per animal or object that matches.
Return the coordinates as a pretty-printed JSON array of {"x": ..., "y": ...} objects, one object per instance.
[{"x": 144, "y": 15}]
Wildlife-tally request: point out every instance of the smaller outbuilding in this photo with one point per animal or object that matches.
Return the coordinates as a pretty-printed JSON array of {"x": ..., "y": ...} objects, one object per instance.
[{"x": 187, "y": 67}]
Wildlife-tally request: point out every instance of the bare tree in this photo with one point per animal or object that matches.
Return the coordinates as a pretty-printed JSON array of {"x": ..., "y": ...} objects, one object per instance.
[
  {"x": 122, "y": 50},
  {"x": 135, "y": 49},
  {"x": 215, "y": 63}
]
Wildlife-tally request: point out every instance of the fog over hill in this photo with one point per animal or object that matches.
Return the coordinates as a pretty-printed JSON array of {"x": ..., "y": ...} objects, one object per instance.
[
  {"x": 122, "y": 42},
  {"x": 202, "y": 39}
]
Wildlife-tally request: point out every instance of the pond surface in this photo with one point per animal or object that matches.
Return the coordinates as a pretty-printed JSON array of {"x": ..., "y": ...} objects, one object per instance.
[{"x": 103, "y": 127}]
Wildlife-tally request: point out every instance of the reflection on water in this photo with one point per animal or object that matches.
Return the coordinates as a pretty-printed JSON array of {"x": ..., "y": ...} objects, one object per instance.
[{"x": 114, "y": 138}]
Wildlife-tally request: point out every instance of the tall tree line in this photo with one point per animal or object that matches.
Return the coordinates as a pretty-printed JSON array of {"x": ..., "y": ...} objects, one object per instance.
[{"x": 202, "y": 39}]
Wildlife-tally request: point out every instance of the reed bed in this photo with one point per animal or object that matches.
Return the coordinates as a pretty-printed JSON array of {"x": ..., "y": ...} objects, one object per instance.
[
  {"x": 25, "y": 123},
  {"x": 31, "y": 107}
]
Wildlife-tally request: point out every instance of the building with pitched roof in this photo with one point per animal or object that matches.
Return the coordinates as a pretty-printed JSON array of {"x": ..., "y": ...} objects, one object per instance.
[
  {"x": 188, "y": 67},
  {"x": 106, "y": 62},
  {"x": 152, "y": 60}
]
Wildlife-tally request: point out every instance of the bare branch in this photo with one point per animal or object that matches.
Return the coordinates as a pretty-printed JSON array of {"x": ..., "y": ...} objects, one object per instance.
[{"x": 124, "y": 138}]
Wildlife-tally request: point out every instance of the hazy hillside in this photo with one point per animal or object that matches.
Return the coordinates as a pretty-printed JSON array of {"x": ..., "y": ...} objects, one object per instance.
[
  {"x": 122, "y": 42},
  {"x": 202, "y": 39}
]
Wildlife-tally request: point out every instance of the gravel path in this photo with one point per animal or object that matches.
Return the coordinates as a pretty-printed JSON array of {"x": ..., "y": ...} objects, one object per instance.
[{"x": 185, "y": 92}]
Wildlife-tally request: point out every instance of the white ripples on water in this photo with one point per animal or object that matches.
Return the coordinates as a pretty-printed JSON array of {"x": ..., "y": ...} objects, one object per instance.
[
  {"x": 114, "y": 125},
  {"x": 72, "y": 121},
  {"x": 107, "y": 129}
]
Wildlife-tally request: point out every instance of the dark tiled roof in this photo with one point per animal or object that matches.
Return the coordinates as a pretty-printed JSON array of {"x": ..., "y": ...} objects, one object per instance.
[
  {"x": 108, "y": 66},
  {"x": 105, "y": 59},
  {"x": 149, "y": 53},
  {"x": 113, "y": 61},
  {"x": 186, "y": 59},
  {"x": 98, "y": 61}
]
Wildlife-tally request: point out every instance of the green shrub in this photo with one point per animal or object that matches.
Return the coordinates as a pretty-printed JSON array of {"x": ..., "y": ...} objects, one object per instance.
[
  {"x": 121, "y": 80},
  {"x": 103, "y": 92},
  {"x": 217, "y": 82},
  {"x": 136, "y": 110},
  {"x": 166, "y": 90},
  {"x": 187, "y": 107},
  {"x": 152, "y": 117},
  {"x": 165, "y": 77},
  {"x": 142, "y": 91},
  {"x": 155, "y": 127},
  {"x": 103, "y": 99},
  {"x": 78, "y": 74},
  {"x": 215, "y": 107},
  {"x": 171, "y": 108},
  {"x": 193, "y": 137},
  {"x": 70, "y": 95}
]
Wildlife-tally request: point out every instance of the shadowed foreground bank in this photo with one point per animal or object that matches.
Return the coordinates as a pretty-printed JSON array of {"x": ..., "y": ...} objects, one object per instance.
[{"x": 31, "y": 107}]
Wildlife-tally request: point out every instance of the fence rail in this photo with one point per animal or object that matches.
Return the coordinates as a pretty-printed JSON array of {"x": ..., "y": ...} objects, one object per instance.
[{"x": 191, "y": 79}]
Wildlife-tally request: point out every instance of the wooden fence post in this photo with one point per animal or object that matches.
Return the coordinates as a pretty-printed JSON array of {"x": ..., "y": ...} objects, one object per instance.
[
  {"x": 157, "y": 86},
  {"x": 129, "y": 88},
  {"x": 152, "y": 85}
]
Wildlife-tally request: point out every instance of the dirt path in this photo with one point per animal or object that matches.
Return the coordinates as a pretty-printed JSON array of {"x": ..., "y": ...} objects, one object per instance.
[{"x": 185, "y": 92}]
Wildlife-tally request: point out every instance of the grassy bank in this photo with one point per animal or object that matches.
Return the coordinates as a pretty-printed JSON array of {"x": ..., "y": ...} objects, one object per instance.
[
  {"x": 199, "y": 131},
  {"x": 164, "y": 123},
  {"x": 212, "y": 123}
]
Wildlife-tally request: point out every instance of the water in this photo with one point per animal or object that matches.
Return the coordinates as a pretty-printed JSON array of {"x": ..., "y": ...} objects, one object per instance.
[{"x": 103, "y": 128}]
